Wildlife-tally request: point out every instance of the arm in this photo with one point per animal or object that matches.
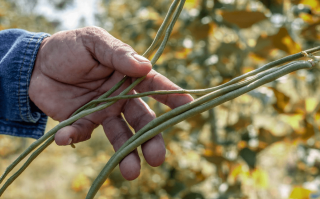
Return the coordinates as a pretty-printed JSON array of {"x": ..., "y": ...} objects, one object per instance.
[
  {"x": 74, "y": 67},
  {"x": 18, "y": 115}
]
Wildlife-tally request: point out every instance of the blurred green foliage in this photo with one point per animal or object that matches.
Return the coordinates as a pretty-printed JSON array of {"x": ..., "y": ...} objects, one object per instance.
[{"x": 264, "y": 144}]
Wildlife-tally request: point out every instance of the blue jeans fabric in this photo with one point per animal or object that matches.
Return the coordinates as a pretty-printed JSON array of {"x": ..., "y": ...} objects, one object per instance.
[{"x": 18, "y": 115}]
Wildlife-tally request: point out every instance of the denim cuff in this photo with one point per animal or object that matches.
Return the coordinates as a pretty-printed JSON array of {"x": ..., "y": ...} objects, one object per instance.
[{"x": 20, "y": 117}]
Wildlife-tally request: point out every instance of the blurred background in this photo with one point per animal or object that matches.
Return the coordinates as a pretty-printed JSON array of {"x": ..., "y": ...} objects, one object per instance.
[{"x": 264, "y": 144}]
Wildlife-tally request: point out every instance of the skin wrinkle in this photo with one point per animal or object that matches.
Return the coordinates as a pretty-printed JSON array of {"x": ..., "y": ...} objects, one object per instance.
[
  {"x": 119, "y": 137},
  {"x": 117, "y": 50},
  {"x": 166, "y": 97},
  {"x": 111, "y": 111},
  {"x": 84, "y": 41},
  {"x": 30, "y": 117},
  {"x": 98, "y": 90},
  {"x": 98, "y": 38},
  {"x": 71, "y": 120},
  {"x": 79, "y": 84},
  {"x": 93, "y": 54},
  {"x": 140, "y": 143},
  {"x": 93, "y": 43},
  {"x": 85, "y": 131},
  {"x": 137, "y": 119},
  {"x": 68, "y": 44}
]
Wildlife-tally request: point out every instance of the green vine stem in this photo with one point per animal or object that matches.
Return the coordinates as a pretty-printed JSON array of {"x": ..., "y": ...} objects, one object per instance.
[
  {"x": 204, "y": 91},
  {"x": 26, "y": 164},
  {"x": 120, "y": 154},
  {"x": 148, "y": 52},
  {"x": 153, "y": 126},
  {"x": 98, "y": 108},
  {"x": 160, "y": 119},
  {"x": 181, "y": 91},
  {"x": 270, "y": 65}
]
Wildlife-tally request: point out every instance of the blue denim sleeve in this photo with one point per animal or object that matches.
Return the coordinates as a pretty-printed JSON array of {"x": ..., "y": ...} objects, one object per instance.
[{"x": 18, "y": 115}]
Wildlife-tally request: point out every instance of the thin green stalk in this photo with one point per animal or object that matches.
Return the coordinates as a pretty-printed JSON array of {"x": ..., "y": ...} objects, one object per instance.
[
  {"x": 26, "y": 164},
  {"x": 269, "y": 65},
  {"x": 50, "y": 133},
  {"x": 105, "y": 95},
  {"x": 197, "y": 102},
  {"x": 92, "y": 110},
  {"x": 166, "y": 92},
  {"x": 148, "y": 52},
  {"x": 118, "y": 156},
  {"x": 232, "y": 81},
  {"x": 177, "y": 110},
  {"x": 159, "y": 51},
  {"x": 87, "y": 112},
  {"x": 162, "y": 28}
]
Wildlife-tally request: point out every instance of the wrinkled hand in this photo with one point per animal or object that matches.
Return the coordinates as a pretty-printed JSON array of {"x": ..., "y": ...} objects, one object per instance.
[{"x": 77, "y": 66}]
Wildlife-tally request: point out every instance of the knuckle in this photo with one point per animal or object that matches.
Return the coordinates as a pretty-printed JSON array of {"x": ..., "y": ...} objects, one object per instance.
[
  {"x": 120, "y": 48},
  {"x": 92, "y": 29},
  {"x": 90, "y": 34},
  {"x": 152, "y": 113},
  {"x": 118, "y": 141}
]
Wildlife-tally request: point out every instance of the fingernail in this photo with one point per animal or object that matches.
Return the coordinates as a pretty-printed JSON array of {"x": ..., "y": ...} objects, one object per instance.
[
  {"x": 140, "y": 58},
  {"x": 69, "y": 141}
]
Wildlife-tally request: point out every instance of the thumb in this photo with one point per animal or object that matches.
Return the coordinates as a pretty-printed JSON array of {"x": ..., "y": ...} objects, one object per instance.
[
  {"x": 79, "y": 131},
  {"x": 113, "y": 53}
]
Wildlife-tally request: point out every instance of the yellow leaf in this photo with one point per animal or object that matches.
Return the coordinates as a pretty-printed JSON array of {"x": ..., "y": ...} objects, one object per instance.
[
  {"x": 256, "y": 58},
  {"x": 283, "y": 41},
  {"x": 260, "y": 177},
  {"x": 295, "y": 121},
  {"x": 292, "y": 46},
  {"x": 208, "y": 152},
  {"x": 300, "y": 193},
  {"x": 160, "y": 60},
  {"x": 235, "y": 172},
  {"x": 189, "y": 4},
  {"x": 311, "y": 104},
  {"x": 282, "y": 101},
  {"x": 247, "y": 69},
  {"x": 182, "y": 54},
  {"x": 307, "y": 18},
  {"x": 80, "y": 182},
  {"x": 315, "y": 5},
  {"x": 106, "y": 183}
]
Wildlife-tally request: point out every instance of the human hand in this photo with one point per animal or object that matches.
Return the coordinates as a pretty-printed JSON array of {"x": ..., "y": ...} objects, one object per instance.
[{"x": 74, "y": 67}]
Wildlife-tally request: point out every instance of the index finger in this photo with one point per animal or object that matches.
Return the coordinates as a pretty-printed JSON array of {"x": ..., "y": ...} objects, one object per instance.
[
  {"x": 113, "y": 53},
  {"x": 155, "y": 81}
]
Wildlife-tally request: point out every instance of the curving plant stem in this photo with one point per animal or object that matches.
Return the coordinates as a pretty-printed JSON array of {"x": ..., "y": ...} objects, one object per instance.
[
  {"x": 231, "y": 88},
  {"x": 196, "y": 102},
  {"x": 92, "y": 110},
  {"x": 26, "y": 164},
  {"x": 275, "y": 63},
  {"x": 120, "y": 154},
  {"x": 181, "y": 91},
  {"x": 199, "y": 92},
  {"x": 270, "y": 65},
  {"x": 148, "y": 52}
]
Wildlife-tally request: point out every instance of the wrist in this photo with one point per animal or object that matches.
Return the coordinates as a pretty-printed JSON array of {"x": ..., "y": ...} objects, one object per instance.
[{"x": 36, "y": 72}]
